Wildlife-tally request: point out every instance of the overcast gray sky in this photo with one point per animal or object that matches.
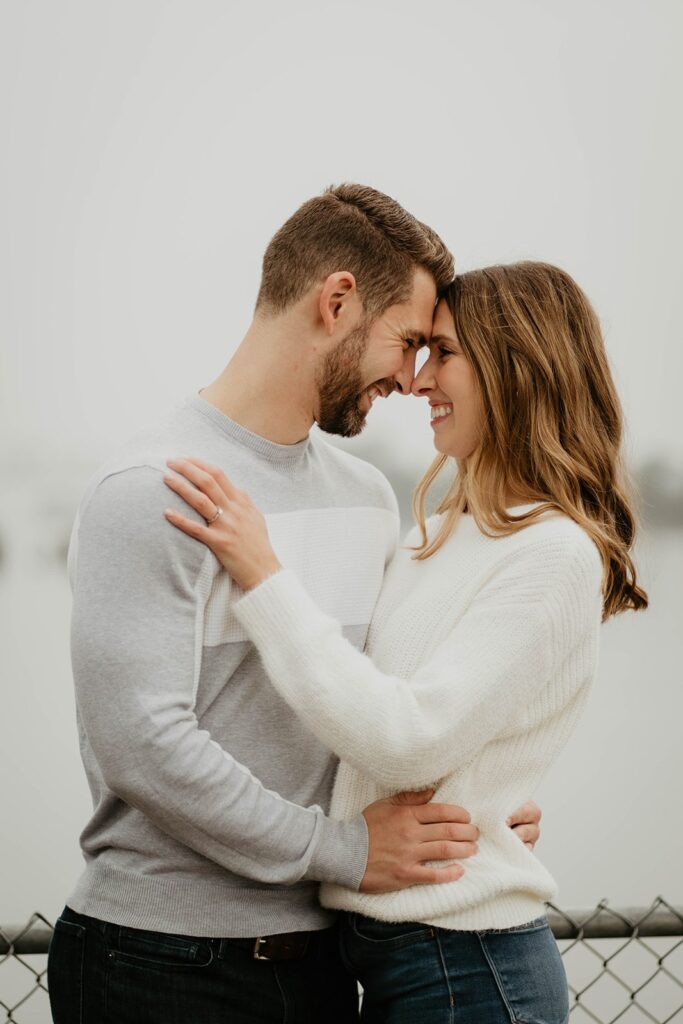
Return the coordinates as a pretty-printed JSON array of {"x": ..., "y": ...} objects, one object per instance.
[{"x": 152, "y": 148}]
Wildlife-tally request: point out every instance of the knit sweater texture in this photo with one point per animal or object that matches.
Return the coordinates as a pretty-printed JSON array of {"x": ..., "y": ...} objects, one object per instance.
[
  {"x": 209, "y": 795},
  {"x": 478, "y": 664}
]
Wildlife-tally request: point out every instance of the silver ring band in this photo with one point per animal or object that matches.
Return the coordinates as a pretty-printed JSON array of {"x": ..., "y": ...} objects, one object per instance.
[{"x": 217, "y": 513}]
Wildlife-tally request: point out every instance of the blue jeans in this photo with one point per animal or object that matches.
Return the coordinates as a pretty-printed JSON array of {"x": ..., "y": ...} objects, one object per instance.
[
  {"x": 100, "y": 973},
  {"x": 414, "y": 974}
]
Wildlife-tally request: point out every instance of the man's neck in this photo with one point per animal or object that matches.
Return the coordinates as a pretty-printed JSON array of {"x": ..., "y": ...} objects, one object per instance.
[{"x": 268, "y": 385}]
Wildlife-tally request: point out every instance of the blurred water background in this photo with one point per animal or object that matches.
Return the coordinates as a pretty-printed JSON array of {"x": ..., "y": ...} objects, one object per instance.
[{"x": 151, "y": 150}]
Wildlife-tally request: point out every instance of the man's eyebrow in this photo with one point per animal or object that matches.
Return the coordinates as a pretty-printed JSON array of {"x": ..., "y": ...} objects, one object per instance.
[{"x": 416, "y": 338}]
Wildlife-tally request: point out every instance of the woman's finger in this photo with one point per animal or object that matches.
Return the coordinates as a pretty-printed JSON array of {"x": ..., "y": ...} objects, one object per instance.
[
  {"x": 219, "y": 476},
  {"x": 194, "y": 498},
  {"x": 202, "y": 480},
  {"x": 189, "y": 526}
]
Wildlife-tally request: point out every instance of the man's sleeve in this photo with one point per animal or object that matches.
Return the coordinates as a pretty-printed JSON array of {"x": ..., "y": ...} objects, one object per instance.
[{"x": 136, "y": 644}]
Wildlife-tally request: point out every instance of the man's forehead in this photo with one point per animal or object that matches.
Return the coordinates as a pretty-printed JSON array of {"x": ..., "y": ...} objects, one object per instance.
[
  {"x": 413, "y": 318},
  {"x": 416, "y": 325},
  {"x": 418, "y": 312}
]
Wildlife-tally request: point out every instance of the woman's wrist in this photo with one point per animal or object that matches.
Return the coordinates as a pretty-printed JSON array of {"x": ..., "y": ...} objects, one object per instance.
[{"x": 253, "y": 577}]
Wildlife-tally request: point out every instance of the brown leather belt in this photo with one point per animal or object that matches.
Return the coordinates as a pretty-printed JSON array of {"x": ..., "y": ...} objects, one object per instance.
[{"x": 286, "y": 946}]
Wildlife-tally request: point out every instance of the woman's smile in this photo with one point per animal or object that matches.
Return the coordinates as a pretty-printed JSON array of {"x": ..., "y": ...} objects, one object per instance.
[{"x": 440, "y": 411}]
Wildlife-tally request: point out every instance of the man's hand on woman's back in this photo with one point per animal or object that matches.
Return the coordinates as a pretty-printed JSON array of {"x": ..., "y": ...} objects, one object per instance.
[{"x": 407, "y": 834}]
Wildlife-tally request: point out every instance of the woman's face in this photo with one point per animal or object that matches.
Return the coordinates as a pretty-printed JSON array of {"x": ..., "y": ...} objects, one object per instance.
[{"x": 447, "y": 380}]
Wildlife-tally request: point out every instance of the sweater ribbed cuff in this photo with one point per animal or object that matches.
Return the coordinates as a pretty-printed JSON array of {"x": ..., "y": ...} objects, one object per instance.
[{"x": 341, "y": 855}]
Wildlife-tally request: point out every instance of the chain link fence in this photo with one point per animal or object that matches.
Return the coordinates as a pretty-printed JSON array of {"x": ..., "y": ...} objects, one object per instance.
[
  {"x": 23, "y": 966},
  {"x": 622, "y": 964}
]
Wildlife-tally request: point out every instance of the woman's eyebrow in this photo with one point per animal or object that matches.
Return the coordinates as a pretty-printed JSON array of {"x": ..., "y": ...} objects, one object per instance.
[{"x": 442, "y": 337}]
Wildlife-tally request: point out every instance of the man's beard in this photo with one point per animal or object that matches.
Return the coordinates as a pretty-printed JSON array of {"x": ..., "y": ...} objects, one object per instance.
[{"x": 340, "y": 386}]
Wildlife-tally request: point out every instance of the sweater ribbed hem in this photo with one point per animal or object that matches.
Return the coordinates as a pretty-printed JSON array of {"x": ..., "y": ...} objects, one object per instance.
[
  {"x": 504, "y": 885},
  {"x": 196, "y": 906},
  {"x": 505, "y": 911}
]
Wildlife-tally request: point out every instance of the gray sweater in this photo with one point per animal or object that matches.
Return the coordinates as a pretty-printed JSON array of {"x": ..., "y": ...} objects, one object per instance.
[{"x": 209, "y": 795}]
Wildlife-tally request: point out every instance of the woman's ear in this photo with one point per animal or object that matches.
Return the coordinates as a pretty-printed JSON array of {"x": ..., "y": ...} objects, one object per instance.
[{"x": 339, "y": 294}]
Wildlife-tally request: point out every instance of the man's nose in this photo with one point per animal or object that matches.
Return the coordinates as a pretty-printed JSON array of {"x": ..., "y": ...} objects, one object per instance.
[
  {"x": 424, "y": 381},
  {"x": 403, "y": 379}
]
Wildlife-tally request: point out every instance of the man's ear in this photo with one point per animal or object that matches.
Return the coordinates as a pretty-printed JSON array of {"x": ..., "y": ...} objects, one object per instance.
[{"x": 338, "y": 297}]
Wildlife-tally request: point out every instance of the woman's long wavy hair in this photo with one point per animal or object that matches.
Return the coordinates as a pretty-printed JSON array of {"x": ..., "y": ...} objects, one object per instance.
[{"x": 552, "y": 422}]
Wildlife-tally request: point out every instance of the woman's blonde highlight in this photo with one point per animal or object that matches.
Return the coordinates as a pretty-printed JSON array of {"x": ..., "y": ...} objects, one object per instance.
[{"x": 552, "y": 426}]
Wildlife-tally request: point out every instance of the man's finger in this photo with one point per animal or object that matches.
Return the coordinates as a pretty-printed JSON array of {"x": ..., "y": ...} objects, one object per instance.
[
  {"x": 528, "y": 834},
  {"x": 432, "y": 813},
  {"x": 528, "y": 814},
  {"x": 450, "y": 831},
  {"x": 408, "y": 797},
  {"x": 447, "y": 851},
  {"x": 422, "y": 875}
]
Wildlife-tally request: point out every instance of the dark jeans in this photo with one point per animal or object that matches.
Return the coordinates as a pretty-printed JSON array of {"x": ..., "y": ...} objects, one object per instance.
[
  {"x": 414, "y": 974},
  {"x": 100, "y": 973}
]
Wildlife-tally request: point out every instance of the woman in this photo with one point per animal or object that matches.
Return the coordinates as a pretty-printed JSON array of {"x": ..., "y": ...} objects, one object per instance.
[{"x": 483, "y": 644}]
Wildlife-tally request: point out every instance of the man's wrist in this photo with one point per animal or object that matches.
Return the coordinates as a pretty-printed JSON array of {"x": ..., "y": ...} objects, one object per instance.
[{"x": 341, "y": 855}]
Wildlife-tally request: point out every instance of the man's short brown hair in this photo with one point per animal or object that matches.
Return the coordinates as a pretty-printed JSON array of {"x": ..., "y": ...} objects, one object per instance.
[{"x": 354, "y": 228}]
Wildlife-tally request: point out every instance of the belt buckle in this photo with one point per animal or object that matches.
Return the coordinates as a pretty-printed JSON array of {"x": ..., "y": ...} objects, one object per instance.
[{"x": 257, "y": 947}]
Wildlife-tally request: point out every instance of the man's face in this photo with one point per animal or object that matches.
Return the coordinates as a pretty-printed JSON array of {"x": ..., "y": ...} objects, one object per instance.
[{"x": 371, "y": 362}]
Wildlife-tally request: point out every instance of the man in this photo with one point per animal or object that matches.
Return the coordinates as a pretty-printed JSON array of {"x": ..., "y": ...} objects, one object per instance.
[{"x": 208, "y": 838}]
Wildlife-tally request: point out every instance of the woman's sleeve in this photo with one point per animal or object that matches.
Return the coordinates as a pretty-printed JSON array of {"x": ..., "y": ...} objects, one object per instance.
[{"x": 531, "y": 614}]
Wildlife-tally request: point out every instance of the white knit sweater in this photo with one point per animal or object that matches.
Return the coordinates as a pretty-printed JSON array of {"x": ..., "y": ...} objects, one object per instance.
[{"x": 478, "y": 664}]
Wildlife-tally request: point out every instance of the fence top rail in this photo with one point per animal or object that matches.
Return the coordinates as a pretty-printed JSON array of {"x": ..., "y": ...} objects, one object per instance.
[
  {"x": 604, "y": 922},
  {"x": 601, "y": 922},
  {"x": 31, "y": 937}
]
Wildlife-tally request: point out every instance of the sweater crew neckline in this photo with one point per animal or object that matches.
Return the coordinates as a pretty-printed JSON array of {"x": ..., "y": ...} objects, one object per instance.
[{"x": 273, "y": 451}]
